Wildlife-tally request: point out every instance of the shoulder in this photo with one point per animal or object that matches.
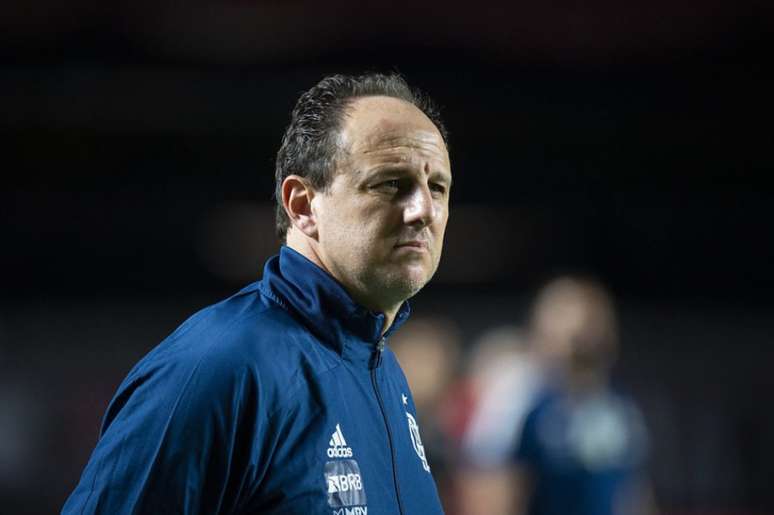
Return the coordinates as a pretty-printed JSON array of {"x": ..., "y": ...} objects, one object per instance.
[
  {"x": 390, "y": 362},
  {"x": 245, "y": 343},
  {"x": 634, "y": 420}
]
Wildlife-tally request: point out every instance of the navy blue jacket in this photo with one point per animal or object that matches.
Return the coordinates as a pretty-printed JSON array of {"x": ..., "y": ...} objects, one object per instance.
[
  {"x": 585, "y": 455},
  {"x": 281, "y": 399}
]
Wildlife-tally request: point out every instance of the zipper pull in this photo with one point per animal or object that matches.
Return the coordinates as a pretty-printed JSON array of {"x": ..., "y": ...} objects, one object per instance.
[{"x": 377, "y": 359}]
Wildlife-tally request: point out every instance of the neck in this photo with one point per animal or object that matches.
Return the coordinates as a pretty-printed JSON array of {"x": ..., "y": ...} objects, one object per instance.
[
  {"x": 389, "y": 318},
  {"x": 585, "y": 382},
  {"x": 301, "y": 244}
]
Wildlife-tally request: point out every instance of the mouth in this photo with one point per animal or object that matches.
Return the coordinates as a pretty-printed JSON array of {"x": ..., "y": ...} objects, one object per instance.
[{"x": 412, "y": 244}]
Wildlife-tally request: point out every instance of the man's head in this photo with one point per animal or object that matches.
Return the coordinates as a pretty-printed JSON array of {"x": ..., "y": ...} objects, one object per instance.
[
  {"x": 574, "y": 326},
  {"x": 363, "y": 180}
]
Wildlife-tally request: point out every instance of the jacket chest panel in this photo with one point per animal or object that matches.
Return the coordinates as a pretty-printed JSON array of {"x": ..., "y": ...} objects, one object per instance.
[{"x": 353, "y": 447}]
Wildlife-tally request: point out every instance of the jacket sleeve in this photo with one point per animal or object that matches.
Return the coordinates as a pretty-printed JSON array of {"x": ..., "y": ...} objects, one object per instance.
[{"x": 181, "y": 435}]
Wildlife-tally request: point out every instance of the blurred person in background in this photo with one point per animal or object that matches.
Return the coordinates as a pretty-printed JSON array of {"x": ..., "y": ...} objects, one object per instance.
[
  {"x": 578, "y": 446},
  {"x": 283, "y": 398},
  {"x": 503, "y": 377}
]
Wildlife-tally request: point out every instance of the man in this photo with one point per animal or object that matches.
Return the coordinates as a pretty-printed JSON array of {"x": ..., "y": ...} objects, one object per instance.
[
  {"x": 578, "y": 446},
  {"x": 284, "y": 398}
]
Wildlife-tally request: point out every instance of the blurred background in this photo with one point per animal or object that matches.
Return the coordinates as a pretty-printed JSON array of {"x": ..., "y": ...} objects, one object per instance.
[{"x": 628, "y": 141}]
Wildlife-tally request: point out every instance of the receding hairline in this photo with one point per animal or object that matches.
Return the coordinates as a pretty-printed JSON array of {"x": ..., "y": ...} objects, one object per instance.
[{"x": 350, "y": 107}]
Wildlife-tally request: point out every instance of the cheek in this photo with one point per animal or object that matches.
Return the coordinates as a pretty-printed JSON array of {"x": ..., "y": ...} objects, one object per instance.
[
  {"x": 336, "y": 218},
  {"x": 377, "y": 223},
  {"x": 440, "y": 228},
  {"x": 442, "y": 212},
  {"x": 352, "y": 238}
]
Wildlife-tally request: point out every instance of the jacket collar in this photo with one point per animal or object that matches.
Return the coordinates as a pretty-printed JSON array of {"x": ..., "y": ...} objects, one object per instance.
[{"x": 324, "y": 306}]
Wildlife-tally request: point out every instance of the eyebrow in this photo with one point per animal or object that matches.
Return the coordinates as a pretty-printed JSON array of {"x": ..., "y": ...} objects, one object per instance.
[{"x": 395, "y": 168}]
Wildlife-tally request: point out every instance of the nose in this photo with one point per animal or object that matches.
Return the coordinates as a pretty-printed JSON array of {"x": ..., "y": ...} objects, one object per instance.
[{"x": 420, "y": 209}]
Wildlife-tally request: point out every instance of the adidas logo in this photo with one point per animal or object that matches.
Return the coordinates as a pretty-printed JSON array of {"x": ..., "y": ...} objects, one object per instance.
[{"x": 337, "y": 447}]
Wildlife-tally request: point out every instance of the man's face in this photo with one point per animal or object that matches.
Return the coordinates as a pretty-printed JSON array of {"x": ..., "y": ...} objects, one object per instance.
[
  {"x": 571, "y": 329},
  {"x": 381, "y": 222}
]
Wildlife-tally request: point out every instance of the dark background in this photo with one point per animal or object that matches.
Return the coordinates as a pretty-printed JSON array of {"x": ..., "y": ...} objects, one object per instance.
[{"x": 627, "y": 140}]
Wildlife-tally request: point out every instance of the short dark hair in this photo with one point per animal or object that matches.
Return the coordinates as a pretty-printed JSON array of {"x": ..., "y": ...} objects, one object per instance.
[{"x": 310, "y": 145}]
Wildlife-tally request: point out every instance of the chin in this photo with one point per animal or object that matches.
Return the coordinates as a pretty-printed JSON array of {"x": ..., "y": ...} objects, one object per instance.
[
  {"x": 410, "y": 284},
  {"x": 398, "y": 283}
]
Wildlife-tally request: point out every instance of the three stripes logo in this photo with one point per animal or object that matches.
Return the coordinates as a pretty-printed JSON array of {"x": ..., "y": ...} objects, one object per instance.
[
  {"x": 346, "y": 493},
  {"x": 337, "y": 446}
]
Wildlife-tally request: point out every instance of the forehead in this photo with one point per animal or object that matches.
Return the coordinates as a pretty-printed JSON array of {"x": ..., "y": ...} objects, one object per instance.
[{"x": 384, "y": 126}]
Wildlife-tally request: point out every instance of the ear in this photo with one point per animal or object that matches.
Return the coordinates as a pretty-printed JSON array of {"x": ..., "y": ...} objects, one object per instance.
[{"x": 297, "y": 197}]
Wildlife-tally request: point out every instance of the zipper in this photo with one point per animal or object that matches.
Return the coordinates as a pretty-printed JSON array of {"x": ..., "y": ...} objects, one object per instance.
[{"x": 376, "y": 362}]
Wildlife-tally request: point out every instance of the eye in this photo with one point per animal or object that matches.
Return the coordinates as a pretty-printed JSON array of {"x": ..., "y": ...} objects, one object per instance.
[
  {"x": 391, "y": 186},
  {"x": 437, "y": 187}
]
